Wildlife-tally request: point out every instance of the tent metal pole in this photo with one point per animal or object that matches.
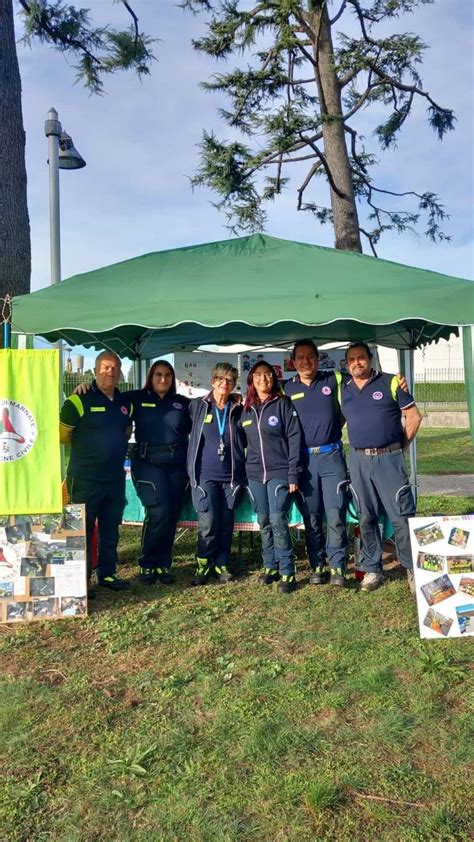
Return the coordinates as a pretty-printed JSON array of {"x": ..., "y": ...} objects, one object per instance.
[
  {"x": 468, "y": 353},
  {"x": 409, "y": 372}
]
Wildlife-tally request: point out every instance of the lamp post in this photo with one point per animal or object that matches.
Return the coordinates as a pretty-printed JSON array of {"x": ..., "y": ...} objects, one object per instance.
[{"x": 63, "y": 155}]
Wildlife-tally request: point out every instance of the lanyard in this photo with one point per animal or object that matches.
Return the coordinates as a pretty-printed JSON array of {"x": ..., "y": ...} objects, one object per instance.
[{"x": 221, "y": 419}]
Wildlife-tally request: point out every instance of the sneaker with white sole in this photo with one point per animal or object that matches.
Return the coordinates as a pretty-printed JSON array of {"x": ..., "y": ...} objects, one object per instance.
[{"x": 372, "y": 581}]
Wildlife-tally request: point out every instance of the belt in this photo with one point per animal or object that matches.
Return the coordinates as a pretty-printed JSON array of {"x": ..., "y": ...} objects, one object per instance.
[
  {"x": 325, "y": 448},
  {"x": 145, "y": 449},
  {"x": 375, "y": 451}
]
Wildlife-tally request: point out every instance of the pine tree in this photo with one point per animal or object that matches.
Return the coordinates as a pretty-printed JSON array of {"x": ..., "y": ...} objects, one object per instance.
[{"x": 296, "y": 102}]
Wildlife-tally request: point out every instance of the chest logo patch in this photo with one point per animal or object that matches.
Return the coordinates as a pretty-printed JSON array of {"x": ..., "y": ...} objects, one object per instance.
[
  {"x": 124, "y": 410},
  {"x": 326, "y": 390},
  {"x": 273, "y": 421},
  {"x": 177, "y": 405},
  {"x": 377, "y": 396}
]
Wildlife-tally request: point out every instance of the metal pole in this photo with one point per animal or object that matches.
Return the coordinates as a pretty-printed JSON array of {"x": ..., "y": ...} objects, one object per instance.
[
  {"x": 52, "y": 129},
  {"x": 410, "y": 378}
]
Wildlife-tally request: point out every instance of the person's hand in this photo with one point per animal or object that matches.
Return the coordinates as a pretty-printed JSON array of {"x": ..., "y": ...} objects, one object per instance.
[
  {"x": 403, "y": 383},
  {"x": 82, "y": 389},
  {"x": 293, "y": 486}
]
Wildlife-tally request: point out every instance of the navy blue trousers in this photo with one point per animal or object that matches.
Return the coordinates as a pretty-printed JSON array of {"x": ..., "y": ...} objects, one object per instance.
[
  {"x": 214, "y": 502},
  {"x": 271, "y": 501},
  {"x": 324, "y": 492},
  {"x": 381, "y": 482},
  {"x": 105, "y": 502},
  {"x": 161, "y": 492}
]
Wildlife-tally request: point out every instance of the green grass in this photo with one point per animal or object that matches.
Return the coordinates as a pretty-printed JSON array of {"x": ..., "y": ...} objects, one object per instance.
[
  {"x": 440, "y": 393},
  {"x": 444, "y": 451},
  {"x": 234, "y": 713}
]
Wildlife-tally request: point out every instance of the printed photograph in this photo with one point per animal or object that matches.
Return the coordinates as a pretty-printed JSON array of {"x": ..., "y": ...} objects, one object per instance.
[
  {"x": 437, "y": 622},
  {"x": 52, "y": 523},
  {"x": 42, "y": 587},
  {"x": 438, "y": 590},
  {"x": 6, "y": 589},
  {"x": 428, "y": 534},
  {"x": 466, "y": 585},
  {"x": 460, "y": 564},
  {"x": 433, "y": 563},
  {"x": 4, "y": 520},
  {"x": 73, "y": 520},
  {"x": 76, "y": 555},
  {"x": 16, "y": 611},
  {"x": 75, "y": 542},
  {"x": 18, "y": 533},
  {"x": 73, "y": 606},
  {"x": 45, "y": 608},
  {"x": 33, "y": 566},
  {"x": 465, "y": 615},
  {"x": 458, "y": 537}
]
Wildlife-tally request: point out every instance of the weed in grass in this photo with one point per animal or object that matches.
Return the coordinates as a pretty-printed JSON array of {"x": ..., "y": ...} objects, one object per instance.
[
  {"x": 134, "y": 764},
  {"x": 323, "y": 795},
  {"x": 439, "y": 664}
]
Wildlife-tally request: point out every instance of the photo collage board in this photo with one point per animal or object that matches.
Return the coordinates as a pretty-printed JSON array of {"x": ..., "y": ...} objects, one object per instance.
[
  {"x": 443, "y": 563},
  {"x": 43, "y": 571}
]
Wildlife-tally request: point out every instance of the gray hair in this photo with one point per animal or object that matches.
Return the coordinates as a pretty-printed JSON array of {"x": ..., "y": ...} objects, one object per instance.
[
  {"x": 221, "y": 369},
  {"x": 107, "y": 355}
]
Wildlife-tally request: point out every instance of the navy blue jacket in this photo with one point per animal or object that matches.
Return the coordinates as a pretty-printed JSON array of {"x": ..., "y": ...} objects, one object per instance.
[
  {"x": 274, "y": 439},
  {"x": 199, "y": 408},
  {"x": 160, "y": 421}
]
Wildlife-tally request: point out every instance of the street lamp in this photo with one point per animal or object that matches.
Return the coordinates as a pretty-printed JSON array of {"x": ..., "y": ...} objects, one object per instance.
[{"x": 62, "y": 154}]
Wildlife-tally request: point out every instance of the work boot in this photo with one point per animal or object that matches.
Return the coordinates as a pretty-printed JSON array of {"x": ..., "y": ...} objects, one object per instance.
[
  {"x": 147, "y": 576},
  {"x": 287, "y": 584},
  {"x": 224, "y": 575},
  {"x": 320, "y": 575},
  {"x": 269, "y": 576},
  {"x": 114, "y": 583},
  {"x": 164, "y": 576},
  {"x": 338, "y": 577},
  {"x": 372, "y": 581},
  {"x": 411, "y": 581},
  {"x": 202, "y": 572}
]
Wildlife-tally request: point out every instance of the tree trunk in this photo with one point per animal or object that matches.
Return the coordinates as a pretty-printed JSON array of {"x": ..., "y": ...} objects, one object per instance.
[
  {"x": 344, "y": 209},
  {"x": 15, "y": 256}
]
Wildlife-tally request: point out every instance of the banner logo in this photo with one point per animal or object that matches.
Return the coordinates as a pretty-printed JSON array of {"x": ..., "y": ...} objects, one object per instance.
[{"x": 18, "y": 430}]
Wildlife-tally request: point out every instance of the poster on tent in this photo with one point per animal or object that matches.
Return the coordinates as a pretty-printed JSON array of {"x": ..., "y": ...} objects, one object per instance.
[
  {"x": 43, "y": 573},
  {"x": 193, "y": 370},
  {"x": 443, "y": 563}
]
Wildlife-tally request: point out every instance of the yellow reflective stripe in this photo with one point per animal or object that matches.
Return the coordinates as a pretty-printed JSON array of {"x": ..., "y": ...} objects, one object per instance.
[
  {"x": 296, "y": 397},
  {"x": 77, "y": 403},
  {"x": 208, "y": 419},
  {"x": 148, "y": 404},
  {"x": 246, "y": 423},
  {"x": 394, "y": 384},
  {"x": 338, "y": 377},
  {"x": 97, "y": 409}
]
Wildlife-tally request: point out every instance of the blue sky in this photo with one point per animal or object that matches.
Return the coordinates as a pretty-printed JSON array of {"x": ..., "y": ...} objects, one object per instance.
[{"x": 140, "y": 143}]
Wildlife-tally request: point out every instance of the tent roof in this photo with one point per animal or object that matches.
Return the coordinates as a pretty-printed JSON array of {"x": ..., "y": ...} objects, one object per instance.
[{"x": 256, "y": 289}]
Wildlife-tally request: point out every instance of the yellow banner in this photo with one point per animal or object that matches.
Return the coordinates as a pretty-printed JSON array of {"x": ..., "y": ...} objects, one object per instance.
[{"x": 30, "y": 464}]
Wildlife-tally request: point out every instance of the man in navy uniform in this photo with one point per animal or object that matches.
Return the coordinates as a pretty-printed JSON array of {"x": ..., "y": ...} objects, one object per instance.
[
  {"x": 373, "y": 404},
  {"x": 323, "y": 484},
  {"x": 97, "y": 425}
]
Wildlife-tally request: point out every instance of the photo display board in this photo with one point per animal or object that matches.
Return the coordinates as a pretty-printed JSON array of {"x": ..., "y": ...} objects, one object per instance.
[
  {"x": 443, "y": 563},
  {"x": 43, "y": 573}
]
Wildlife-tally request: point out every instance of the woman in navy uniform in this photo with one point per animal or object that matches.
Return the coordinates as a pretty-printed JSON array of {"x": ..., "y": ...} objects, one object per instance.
[
  {"x": 273, "y": 435},
  {"x": 158, "y": 468},
  {"x": 216, "y": 467}
]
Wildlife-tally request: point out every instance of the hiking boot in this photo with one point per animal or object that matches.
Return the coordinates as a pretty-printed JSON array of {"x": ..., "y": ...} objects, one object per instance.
[
  {"x": 320, "y": 575},
  {"x": 372, "y": 581},
  {"x": 338, "y": 577},
  {"x": 147, "y": 576},
  {"x": 224, "y": 575},
  {"x": 287, "y": 584},
  {"x": 114, "y": 583},
  {"x": 411, "y": 581},
  {"x": 164, "y": 576},
  {"x": 202, "y": 573},
  {"x": 269, "y": 576}
]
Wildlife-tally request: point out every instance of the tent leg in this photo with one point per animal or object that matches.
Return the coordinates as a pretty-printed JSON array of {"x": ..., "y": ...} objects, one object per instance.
[
  {"x": 468, "y": 352},
  {"x": 408, "y": 369}
]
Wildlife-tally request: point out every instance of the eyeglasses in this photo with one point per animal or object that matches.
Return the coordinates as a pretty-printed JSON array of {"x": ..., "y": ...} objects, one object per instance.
[{"x": 229, "y": 380}]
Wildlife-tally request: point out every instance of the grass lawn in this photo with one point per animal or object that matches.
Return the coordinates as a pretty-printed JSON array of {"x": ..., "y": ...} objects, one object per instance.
[
  {"x": 234, "y": 713},
  {"x": 445, "y": 451}
]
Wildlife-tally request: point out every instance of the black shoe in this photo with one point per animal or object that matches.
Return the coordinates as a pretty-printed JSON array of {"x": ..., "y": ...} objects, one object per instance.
[
  {"x": 147, "y": 576},
  {"x": 202, "y": 575},
  {"x": 114, "y": 583},
  {"x": 287, "y": 584},
  {"x": 224, "y": 575},
  {"x": 164, "y": 576},
  {"x": 338, "y": 577},
  {"x": 320, "y": 575},
  {"x": 269, "y": 576}
]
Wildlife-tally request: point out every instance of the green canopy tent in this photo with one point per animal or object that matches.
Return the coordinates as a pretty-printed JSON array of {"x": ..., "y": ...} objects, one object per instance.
[{"x": 257, "y": 290}]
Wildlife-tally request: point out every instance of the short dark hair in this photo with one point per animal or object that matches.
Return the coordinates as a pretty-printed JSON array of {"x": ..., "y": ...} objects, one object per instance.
[
  {"x": 359, "y": 345},
  {"x": 300, "y": 342}
]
